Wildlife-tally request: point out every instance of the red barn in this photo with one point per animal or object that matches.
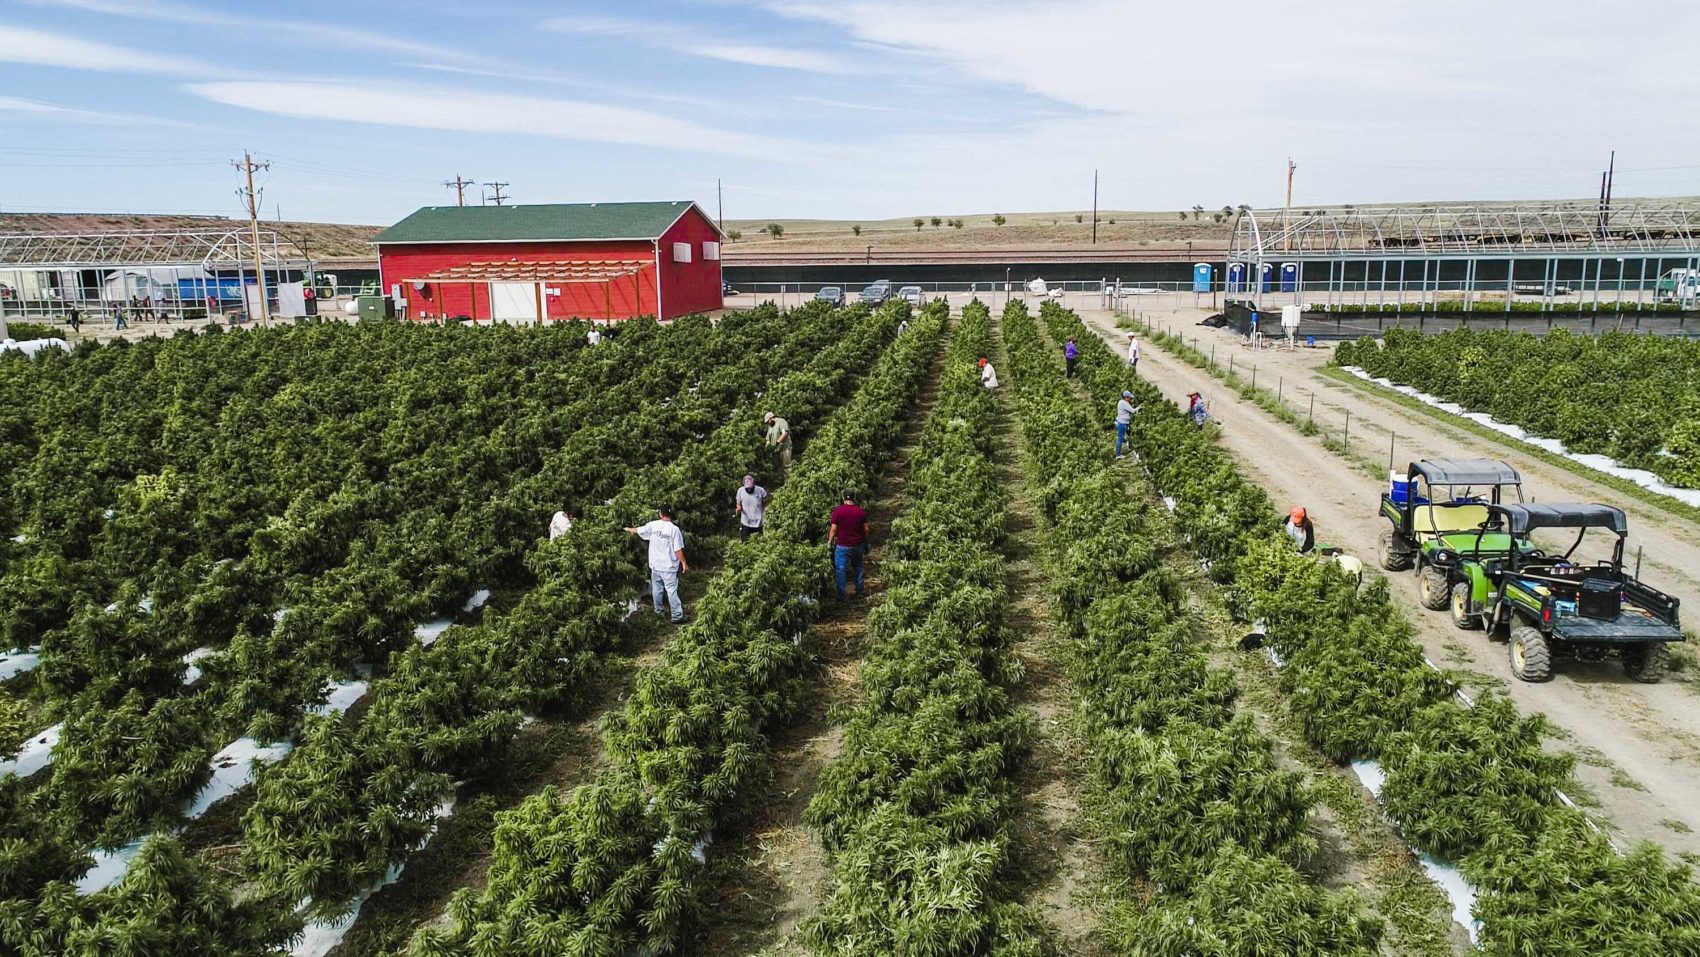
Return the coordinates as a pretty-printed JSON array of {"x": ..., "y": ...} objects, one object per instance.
[{"x": 577, "y": 261}]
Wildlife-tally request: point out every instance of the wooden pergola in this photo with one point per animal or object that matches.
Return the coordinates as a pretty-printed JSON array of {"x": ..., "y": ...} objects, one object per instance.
[{"x": 541, "y": 273}]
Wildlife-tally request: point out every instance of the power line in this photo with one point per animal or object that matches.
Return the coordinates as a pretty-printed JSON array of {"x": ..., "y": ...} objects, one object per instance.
[{"x": 496, "y": 193}]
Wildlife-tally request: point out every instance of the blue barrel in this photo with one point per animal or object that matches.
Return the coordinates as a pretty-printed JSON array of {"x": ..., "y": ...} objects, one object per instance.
[
  {"x": 1289, "y": 277},
  {"x": 1267, "y": 276},
  {"x": 1201, "y": 277},
  {"x": 1236, "y": 277}
]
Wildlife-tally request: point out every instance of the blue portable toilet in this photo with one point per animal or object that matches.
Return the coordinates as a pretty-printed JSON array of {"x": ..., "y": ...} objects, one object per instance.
[
  {"x": 1201, "y": 276},
  {"x": 1236, "y": 277},
  {"x": 1289, "y": 277},
  {"x": 1266, "y": 275}
]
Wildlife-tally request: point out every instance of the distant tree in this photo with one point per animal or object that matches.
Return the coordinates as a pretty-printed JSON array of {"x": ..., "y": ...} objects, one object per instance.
[
  {"x": 956, "y": 224},
  {"x": 919, "y": 222},
  {"x": 1197, "y": 211},
  {"x": 1112, "y": 222},
  {"x": 734, "y": 235},
  {"x": 1079, "y": 218},
  {"x": 999, "y": 220},
  {"x": 1183, "y": 216},
  {"x": 856, "y": 230},
  {"x": 774, "y": 229},
  {"x": 937, "y": 222},
  {"x": 1227, "y": 212},
  {"x": 1216, "y": 217}
]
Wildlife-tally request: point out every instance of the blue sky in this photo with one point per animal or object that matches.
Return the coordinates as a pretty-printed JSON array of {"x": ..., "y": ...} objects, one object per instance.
[{"x": 849, "y": 109}]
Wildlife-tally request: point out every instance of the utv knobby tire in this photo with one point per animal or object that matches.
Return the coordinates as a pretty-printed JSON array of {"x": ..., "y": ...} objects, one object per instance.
[
  {"x": 1531, "y": 659},
  {"x": 1462, "y": 617},
  {"x": 1432, "y": 585},
  {"x": 1391, "y": 559},
  {"x": 1646, "y": 663}
]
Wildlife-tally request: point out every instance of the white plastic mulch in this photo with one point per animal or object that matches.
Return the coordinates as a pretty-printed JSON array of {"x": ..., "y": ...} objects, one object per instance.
[{"x": 1599, "y": 463}]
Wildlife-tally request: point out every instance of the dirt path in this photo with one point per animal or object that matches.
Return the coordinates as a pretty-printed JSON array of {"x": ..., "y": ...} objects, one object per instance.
[
  {"x": 777, "y": 875},
  {"x": 1639, "y": 744},
  {"x": 1053, "y": 848}
]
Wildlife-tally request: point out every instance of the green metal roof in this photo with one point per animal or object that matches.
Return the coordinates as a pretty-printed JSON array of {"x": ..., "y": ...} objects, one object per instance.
[{"x": 561, "y": 222}]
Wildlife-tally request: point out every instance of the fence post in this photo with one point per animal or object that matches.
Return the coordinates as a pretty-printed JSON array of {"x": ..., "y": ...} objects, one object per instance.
[
  {"x": 1392, "y": 437},
  {"x": 1212, "y": 355},
  {"x": 1346, "y": 433},
  {"x": 1310, "y": 416},
  {"x": 1279, "y": 384},
  {"x": 1254, "y": 377}
]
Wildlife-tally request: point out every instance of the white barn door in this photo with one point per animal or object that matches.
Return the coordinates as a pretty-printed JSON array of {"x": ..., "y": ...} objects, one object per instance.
[{"x": 514, "y": 301}]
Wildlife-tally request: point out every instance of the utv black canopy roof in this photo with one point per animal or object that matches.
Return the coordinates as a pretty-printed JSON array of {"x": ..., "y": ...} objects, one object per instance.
[
  {"x": 1466, "y": 472},
  {"x": 1523, "y": 519}
]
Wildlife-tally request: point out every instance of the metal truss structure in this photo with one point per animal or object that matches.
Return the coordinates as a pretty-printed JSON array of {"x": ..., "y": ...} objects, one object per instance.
[
  {"x": 1637, "y": 253},
  {"x": 1494, "y": 231},
  {"x": 213, "y": 250}
]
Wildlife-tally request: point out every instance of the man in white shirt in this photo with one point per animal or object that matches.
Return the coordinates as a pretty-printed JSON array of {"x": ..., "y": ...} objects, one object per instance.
[
  {"x": 594, "y": 336},
  {"x": 988, "y": 375},
  {"x": 561, "y": 523},
  {"x": 1132, "y": 352},
  {"x": 666, "y": 560},
  {"x": 750, "y": 505}
]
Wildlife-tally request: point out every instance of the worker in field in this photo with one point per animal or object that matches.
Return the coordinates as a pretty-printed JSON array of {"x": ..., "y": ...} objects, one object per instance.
[
  {"x": 750, "y": 507},
  {"x": 779, "y": 439},
  {"x": 1071, "y": 353},
  {"x": 1133, "y": 352},
  {"x": 1196, "y": 410},
  {"x": 847, "y": 536},
  {"x": 75, "y": 319},
  {"x": 1124, "y": 419},
  {"x": 666, "y": 560},
  {"x": 562, "y": 522},
  {"x": 594, "y": 336},
  {"x": 988, "y": 375},
  {"x": 1300, "y": 530}
]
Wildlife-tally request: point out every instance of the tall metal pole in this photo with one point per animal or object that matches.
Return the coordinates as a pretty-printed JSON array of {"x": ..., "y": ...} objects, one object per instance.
[
  {"x": 1094, "y": 207},
  {"x": 1287, "y": 213},
  {"x": 247, "y": 166},
  {"x": 719, "y": 207}
]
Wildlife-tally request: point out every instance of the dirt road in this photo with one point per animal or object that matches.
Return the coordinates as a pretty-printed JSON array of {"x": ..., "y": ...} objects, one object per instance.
[{"x": 1639, "y": 745}]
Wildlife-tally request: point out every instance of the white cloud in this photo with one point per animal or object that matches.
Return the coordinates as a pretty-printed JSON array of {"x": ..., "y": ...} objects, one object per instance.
[
  {"x": 692, "y": 42},
  {"x": 493, "y": 113},
  {"x": 336, "y": 34},
  {"x": 15, "y": 104},
  {"x": 39, "y": 47}
]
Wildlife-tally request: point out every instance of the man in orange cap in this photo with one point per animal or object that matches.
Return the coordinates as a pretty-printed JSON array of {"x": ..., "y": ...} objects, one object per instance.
[{"x": 1300, "y": 530}]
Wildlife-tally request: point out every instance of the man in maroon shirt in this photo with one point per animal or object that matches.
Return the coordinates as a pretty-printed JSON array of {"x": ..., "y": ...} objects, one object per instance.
[{"x": 848, "y": 539}]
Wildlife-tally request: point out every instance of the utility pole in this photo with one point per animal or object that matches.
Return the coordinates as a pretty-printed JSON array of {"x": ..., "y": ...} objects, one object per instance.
[
  {"x": 1094, "y": 207},
  {"x": 1287, "y": 212},
  {"x": 459, "y": 185},
  {"x": 719, "y": 207},
  {"x": 247, "y": 166},
  {"x": 1605, "y": 194},
  {"x": 496, "y": 189}
]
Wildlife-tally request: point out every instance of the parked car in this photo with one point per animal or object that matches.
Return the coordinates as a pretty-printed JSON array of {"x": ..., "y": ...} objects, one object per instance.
[
  {"x": 912, "y": 295},
  {"x": 876, "y": 294},
  {"x": 727, "y": 290},
  {"x": 831, "y": 294}
]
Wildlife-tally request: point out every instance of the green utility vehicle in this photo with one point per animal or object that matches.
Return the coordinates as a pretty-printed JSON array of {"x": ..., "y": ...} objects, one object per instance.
[
  {"x": 1434, "y": 513},
  {"x": 1559, "y": 609}
]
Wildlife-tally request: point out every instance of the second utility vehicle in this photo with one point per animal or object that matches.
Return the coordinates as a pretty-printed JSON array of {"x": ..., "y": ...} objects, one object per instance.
[{"x": 1558, "y": 608}]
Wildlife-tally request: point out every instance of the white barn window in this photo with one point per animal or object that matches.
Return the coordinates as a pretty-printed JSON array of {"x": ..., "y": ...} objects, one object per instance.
[
  {"x": 710, "y": 252},
  {"x": 681, "y": 252}
]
